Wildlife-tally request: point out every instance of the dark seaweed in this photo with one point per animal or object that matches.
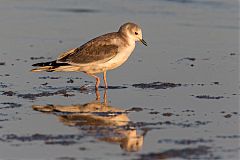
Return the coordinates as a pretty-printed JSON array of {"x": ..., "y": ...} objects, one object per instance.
[
  {"x": 32, "y": 96},
  {"x": 186, "y": 153},
  {"x": 47, "y": 139},
  {"x": 156, "y": 85},
  {"x": 8, "y": 93},
  {"x": 209, "y": 97},
  {"x": 10, "y": 105}
]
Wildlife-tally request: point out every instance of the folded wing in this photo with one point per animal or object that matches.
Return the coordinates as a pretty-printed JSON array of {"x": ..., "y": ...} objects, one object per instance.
[{"x": 93, "y": 51}]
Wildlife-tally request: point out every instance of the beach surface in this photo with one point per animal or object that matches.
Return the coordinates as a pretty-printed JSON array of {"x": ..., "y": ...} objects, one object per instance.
[{"x": 177, "y": 98}]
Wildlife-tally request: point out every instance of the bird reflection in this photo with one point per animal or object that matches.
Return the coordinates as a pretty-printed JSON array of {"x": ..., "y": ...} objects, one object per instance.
[{"x": 100, "y": 120}]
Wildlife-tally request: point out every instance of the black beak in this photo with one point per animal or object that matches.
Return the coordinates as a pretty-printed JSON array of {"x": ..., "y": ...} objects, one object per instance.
[{"x": 143, "y": 42}]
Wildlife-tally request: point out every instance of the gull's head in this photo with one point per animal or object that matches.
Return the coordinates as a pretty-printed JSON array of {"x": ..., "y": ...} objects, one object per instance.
[{"x": 132, "y": 32}]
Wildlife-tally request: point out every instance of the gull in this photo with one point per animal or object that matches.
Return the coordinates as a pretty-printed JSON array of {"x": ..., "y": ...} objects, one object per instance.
[{"x": 98, "y": 55}]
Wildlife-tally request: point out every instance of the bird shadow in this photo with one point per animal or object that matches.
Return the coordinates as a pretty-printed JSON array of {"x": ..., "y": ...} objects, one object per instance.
[{"x": 100, "y": 120}]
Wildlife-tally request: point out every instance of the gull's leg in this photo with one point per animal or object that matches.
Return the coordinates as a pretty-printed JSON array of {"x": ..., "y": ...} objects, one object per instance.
[
  {"x": 97, "y": 80},
  {"x": 105, "y": 98},
  {"x": 105, "y": 79},
  {"x": 97, "y": 95}
]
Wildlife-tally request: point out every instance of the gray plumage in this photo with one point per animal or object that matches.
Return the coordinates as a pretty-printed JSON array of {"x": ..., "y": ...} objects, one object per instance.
[{"x": 98, "y": 49}]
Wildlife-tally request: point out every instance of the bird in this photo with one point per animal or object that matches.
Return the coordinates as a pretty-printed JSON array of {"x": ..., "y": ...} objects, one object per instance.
[{"x": 99, "y": 55}]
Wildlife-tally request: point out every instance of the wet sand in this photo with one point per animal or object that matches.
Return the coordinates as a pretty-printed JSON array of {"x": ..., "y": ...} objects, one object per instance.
[{"x": 178, "y": 98}]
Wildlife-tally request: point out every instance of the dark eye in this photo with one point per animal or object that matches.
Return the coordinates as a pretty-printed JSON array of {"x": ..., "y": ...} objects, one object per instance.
[{"x": 136, "y": 33}]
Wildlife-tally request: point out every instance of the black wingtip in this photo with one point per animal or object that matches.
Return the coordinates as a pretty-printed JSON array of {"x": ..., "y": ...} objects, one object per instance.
[{"x": 52, "y": 63}]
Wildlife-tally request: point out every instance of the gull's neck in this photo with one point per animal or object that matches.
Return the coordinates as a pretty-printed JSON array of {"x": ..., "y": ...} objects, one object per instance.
[{"x": 130, "y": 41}]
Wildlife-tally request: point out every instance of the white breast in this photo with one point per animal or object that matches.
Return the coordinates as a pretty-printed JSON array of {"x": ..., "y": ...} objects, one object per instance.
[{"x": 120, "y": 58}]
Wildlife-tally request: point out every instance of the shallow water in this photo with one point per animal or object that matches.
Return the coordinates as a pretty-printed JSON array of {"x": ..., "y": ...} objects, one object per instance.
[{"x": 178, "y": 98}]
